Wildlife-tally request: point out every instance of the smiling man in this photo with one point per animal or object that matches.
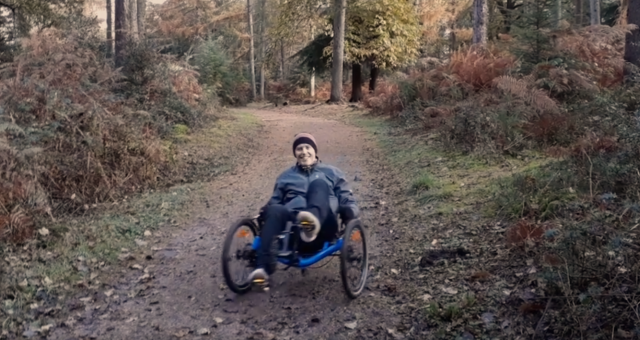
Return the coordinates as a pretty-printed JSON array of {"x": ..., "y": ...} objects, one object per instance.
[{"x": 309, "y": 191}]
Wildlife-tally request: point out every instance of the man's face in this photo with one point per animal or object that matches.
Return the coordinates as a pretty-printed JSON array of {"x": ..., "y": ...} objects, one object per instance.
[{"x": 305, "y": 154}]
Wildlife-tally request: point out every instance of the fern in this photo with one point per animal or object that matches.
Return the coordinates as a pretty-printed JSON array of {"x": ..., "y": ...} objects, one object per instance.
[{"x": 520, "y": 88}]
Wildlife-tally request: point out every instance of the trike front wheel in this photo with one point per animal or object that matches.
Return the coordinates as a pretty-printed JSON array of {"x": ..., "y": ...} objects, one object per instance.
[
  {"x": 354, "y": 259},
  {"x": 238, "y": 247}
]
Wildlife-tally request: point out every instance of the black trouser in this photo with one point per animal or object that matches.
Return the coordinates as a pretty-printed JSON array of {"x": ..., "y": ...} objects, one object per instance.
[{"x": 277, "y": 216}]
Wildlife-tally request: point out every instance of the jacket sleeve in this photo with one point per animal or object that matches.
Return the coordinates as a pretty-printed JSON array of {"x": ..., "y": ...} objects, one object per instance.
[{"x": 344, "y": 193}]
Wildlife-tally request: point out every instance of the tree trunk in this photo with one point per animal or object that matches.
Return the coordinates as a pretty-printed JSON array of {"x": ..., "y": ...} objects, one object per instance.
[
  {"x": 375, "y": 71},
  {"x": 133, "y": 19},
  {"x": 283, "y": 74},
  {"x": 594, "y": 12},
  {"x": 356, "y": 83},
  {"x": 142, "y": 14},
  {"x": 339, "y": 14},
  {"x": 632, "y": 43},
  {"x": 262, "y": 29},
  {"x": 120, "y": 26},
  {"x": 480, "y": 13},
  {"x": 558, "y": 12},
  {"x": 262, "y": 80},
  {"x": 252, "y": 65},
  {"x": 312, "y": 83},
  {"x": 109, "y": 30}
]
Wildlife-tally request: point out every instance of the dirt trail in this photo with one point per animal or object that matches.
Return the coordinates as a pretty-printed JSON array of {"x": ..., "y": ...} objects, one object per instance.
[{"x": 186, "y": 291}]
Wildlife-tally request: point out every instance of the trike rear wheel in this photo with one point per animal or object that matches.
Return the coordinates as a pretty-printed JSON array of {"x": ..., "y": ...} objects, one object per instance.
[
  {"x": 243, "y": 232},
  {"x": 354, "y": 267}
]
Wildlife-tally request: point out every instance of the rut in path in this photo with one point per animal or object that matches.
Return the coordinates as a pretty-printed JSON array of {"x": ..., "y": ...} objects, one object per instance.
[{"x": 188, "y": 294}]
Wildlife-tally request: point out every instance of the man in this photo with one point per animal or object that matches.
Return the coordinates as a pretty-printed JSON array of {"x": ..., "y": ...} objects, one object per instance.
[{"x": 311, "y": 192}]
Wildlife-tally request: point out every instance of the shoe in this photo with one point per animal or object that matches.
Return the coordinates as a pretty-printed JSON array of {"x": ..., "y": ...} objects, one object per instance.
[
  {"x": 310, "y": 226},
  {"x": 259, "y": 277}
]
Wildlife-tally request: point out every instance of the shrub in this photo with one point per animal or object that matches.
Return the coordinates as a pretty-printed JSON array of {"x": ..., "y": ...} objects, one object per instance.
[{"x": 72, "y": 133}]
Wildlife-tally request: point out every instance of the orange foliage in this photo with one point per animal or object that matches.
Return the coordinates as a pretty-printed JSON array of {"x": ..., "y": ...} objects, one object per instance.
[
  {"x": 524, "y": 232},
  {"x": 479, "y": 66},
  {"x": 601, "y": 48}
]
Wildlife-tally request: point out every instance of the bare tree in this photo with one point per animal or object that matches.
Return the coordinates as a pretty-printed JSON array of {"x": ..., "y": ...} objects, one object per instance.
[
  {"x": 251, "y": 51},
  {"x": 632, "y": 43},
  {"x": 121, "y": 31},
  {"x": 109, "y": 30},
  {"x": 339, "y": 18},
  {"x": 480, "y": 20},
  {"x": 142, "y": 13}
]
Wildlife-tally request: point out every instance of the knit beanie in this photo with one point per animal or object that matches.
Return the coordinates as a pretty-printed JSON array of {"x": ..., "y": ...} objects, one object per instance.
[{"x": 304, "y": 138}]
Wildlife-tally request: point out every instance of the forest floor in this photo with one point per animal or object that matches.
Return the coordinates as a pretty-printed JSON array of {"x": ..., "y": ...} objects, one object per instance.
[{"x": 439, "y": 266}]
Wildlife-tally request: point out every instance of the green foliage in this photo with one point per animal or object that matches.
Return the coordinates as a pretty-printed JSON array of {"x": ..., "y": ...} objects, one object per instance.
[
  {"x": 534, "y": 44},
  {"x": 385, "y": 32},
  {"x": 216, "y": 70}
]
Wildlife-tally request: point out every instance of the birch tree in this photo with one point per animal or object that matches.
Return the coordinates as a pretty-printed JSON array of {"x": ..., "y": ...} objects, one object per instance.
[
  {"x": 480, "y": 21},
  {"x": 252, "y": 65},
  {"x": 594, "y": 7}
]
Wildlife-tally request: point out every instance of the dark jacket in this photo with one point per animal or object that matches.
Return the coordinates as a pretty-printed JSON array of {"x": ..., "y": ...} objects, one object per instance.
[{"x": 291, "y": 188}]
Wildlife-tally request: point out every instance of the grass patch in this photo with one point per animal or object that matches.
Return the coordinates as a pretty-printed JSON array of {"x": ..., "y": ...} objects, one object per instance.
[{"x": 80, "y": 251}]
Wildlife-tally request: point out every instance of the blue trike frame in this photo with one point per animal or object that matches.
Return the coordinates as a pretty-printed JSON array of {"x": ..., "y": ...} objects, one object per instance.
[{"x": 305, "y": 262}]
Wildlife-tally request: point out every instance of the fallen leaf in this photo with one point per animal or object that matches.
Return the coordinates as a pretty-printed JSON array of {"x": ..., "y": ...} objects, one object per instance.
[
  {"x": 487, "y": 317},
  {"x": 24, "y": 283},
  {"x": 136, "y": 266},
  {"x": 43, "y": 231},
  {"x": 426, "y": 297},
  {"x": 144, "y": 278},
  {"x": 351, "y": 325},
  {"x": 181, "y": 333},
  {"x": 109, "y": 292},
  {"x": 218, "y": 320},
  {"x": 395, "y": 271},
  {"x": 93, "y": 276},
  {"x": 450, "y": 290},
  {"x": 147, "y": 233},
  {"x": 394, "y": 333},
  {"x": 45, "y": 328},
  {"x": 204, "y": 331}
]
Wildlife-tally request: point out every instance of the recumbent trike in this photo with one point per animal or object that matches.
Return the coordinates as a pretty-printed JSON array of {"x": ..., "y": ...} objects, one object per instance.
[{"x": 246, "y": 231}]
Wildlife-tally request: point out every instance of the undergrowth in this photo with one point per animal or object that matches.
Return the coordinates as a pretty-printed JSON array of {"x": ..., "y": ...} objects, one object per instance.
[{"x": 75, "y": 132}]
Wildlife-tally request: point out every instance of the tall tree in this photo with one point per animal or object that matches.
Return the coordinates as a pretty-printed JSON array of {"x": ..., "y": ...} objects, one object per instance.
[
  {"x": 339, "y": 18},
  {"x": 632, "y": 43},
  {"x": 121, "y": 31},
  {"x": 480, "y": 21},
  {"x": 142, "y": 14},
  {"x": 109, "y": 30},
  {"x": 252, "y": 65}
]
